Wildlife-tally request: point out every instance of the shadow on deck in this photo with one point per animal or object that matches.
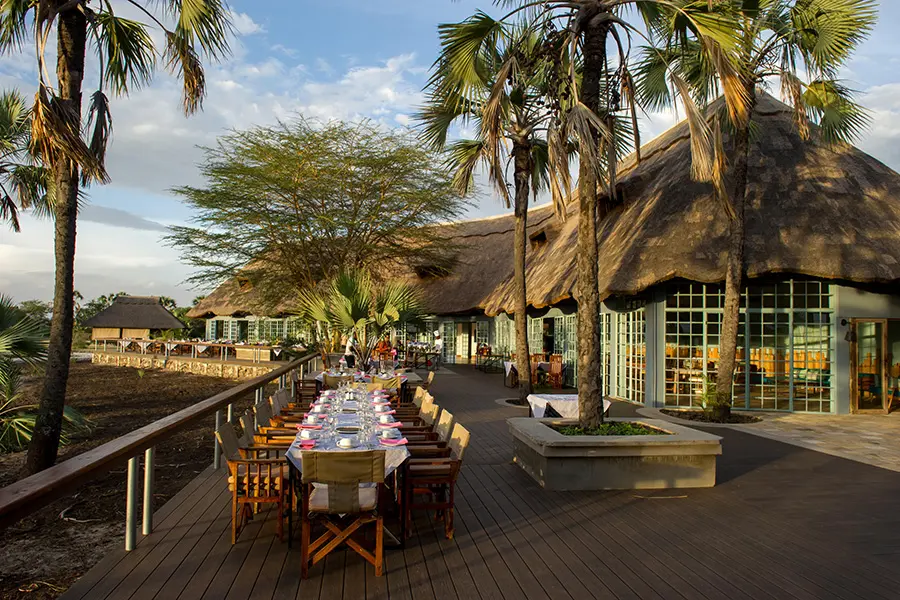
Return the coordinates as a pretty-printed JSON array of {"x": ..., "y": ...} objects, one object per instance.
[{"x": 784, "y": 522}]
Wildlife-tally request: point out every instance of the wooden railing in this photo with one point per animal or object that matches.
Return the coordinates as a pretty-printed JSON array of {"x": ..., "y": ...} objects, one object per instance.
[
  {"x": 32, "y": 493},
  {"x": 186, "y": 349}
]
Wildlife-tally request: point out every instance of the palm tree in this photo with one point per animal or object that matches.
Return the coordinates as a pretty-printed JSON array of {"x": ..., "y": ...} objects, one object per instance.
[
  {"x": 23, "y": 182},
  {"x": 354, "y": 304},
  {"x": 598, "y": 110},
  {"x": 23, "y": 341},
  {"x": 128, "y": 56},
  {"x": 783, "y": 39},
  {"x": 495, "y": 76}
]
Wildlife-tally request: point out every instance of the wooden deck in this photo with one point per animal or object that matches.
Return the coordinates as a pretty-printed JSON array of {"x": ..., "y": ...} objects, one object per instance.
[{"x": 783, "y": 522}]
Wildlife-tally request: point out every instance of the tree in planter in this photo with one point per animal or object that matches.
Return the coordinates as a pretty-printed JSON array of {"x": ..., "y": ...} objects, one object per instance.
[
  {"x": 789, "y": 40},
  {"x": 127, "y": 56},
  {"x": 597, "y": 109},
  {"x": 354, "y": 304},
  {"x": 496, "y": 76},
  {"x": 23, "y": 182}
]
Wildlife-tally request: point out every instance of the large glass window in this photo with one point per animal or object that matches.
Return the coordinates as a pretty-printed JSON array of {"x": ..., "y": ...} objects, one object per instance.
[
  {"x": 606, "y": 351},
  {"x": 565, "y": 342},
  {"x": 631, "y": 356},
  {"x": 449, "y": 338},
  {"x": 784, "y": 348}
]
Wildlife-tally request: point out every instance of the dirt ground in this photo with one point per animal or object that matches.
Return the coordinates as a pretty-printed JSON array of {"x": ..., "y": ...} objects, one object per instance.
[{"x": 42, "y": 555}]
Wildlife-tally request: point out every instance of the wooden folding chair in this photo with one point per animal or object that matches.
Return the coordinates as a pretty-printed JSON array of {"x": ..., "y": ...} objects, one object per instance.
[
  {"x": 434, "y": 481},
  {"x": 554, "y": 377},
  {"x": 341, "y": 490},
  {"x": 252, "y": 481}
]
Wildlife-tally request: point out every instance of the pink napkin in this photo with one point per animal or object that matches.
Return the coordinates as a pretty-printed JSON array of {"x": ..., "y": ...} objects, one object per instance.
[
  {"x": 381, "y": 403},
  {"x": 308, "y": 426},
  {"x": 320, "y": 415},
  {"x": 307, "y": 443},
  {"x": 394, "y": 424},
  {"x": 387, "y": 442}
]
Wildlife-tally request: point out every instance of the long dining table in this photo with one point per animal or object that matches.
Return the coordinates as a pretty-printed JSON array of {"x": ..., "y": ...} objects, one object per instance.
[{"x": 348, "y": 420}]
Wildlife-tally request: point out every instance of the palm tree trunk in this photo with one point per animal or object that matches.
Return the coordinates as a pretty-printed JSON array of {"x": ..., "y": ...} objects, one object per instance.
[
  {"x": 590, "y": 395},
  {"x": 522, "y": 176},
  {"x": 71, "y": 40},
  {"x": 734, "y": 271}
]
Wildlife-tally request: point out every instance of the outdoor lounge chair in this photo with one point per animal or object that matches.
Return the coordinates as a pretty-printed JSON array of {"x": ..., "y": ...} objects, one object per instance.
[
  {"x": 338, "y": 493},
  {"x": 429, "y": 483},
  {"x": 252, "y": 481}
]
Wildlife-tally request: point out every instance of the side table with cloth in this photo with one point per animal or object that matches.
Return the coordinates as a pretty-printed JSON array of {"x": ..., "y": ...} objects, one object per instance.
[{"x": 565, "y": 404}]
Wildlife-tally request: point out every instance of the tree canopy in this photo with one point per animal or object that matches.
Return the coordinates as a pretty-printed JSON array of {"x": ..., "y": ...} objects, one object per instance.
[{"x": 296, "y": 203}]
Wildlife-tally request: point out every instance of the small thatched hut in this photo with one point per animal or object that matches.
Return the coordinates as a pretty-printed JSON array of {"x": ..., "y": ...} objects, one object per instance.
[
  {"x": 821, "y": 322},
  {"x": 132, "y": 317}
]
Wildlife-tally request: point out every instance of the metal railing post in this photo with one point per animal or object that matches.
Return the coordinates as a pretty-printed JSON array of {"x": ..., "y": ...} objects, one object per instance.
[
  {"x": 130, "y": 498},
  {"x": 230, "y": 414},
  {"x": 217, "y": 457},
  {"x": 149, "y": 480}
]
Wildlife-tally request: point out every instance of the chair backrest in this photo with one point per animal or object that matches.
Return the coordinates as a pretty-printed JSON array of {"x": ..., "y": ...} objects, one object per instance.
[
  {"x": 419, "y": 396},
  {"x": 428, "y": 381},
  {"x": 535, "y": 358},
  {"x": 248, "y": 426},
  {"x": 428, "y": 409},
  {"x": 228, "y": 441},
  {"x": 431, "y": 416},
  {"x": 343, "y": 472},
  {"x": 444, "y": 426},
  {"x": 374, "y": 387},
  {"x": 459, "y": 441},
  {"x": 333, "y": 382},
  {"x": 556, "y": 364},
  {"x": 263, "y": 412},
  {"x": 282, "y": 397},
  {"x": 388, "y": 383}
]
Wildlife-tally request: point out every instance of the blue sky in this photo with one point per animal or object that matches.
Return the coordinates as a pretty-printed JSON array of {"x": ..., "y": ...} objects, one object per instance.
[{"x": 348, "y": 60}]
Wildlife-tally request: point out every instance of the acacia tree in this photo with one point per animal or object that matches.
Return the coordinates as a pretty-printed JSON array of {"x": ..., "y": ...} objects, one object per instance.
[
  {"x": 127, "y": 57},
  {"x": 23, "y": 182},
  {"x": 596, "y": 108},
  {"x": 803, "y": 43},
  {"x": 495, "y": 76},
  {"x": 293, "y": 204}
]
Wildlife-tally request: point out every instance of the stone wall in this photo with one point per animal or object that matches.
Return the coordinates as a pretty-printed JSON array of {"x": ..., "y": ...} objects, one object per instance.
[{"x": 215, "y": 368}]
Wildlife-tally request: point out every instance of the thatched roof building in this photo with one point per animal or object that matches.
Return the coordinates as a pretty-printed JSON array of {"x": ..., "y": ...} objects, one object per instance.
[
  {"x": 813, "y": 209},
  {"x": 132, "y": 317}
]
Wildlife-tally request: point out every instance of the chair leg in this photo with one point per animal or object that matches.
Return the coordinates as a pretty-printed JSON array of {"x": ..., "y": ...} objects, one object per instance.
[
  {"x": 234, "y": 518},
  {"x": 304, "y": 547},
  {"x": 280, "y": 527},
  {"x": 448, "y": 515},
  {"x": 379, "y": 546}
]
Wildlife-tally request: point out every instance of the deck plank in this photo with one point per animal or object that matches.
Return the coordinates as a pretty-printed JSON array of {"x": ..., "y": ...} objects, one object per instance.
[{"x": 783, "y": 522}]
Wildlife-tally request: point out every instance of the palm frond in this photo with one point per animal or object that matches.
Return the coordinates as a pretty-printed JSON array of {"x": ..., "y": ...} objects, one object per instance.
[
  {"x": 831, "y": 106},
  {"x": 14, "y": 24},
  {"x": 100, "y": 125},
  {"x": 127, "y": 49},
  {"x": 183, "y": 61}
]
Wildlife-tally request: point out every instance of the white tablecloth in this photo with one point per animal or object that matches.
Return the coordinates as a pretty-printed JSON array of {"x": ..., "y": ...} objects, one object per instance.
[{"x": 565, "y": 404}]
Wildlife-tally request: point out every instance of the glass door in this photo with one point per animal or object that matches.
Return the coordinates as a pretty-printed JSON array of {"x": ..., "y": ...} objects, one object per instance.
[{"x": 869, "y": 364}]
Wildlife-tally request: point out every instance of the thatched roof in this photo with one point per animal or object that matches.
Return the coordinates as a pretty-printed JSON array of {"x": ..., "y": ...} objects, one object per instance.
[
  {"x": 135, "y": 312},
  {"x": 813, "y": 209},
  {"x": 238, "y": 296},
  {"x": 831, "y": 212}
]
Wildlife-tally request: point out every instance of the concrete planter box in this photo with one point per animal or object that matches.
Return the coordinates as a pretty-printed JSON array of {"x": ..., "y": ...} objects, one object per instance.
[{"x": 684, "y": 459}]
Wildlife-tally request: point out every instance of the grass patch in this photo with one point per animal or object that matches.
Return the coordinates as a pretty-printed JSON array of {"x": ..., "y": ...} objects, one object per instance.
[
  {"x": 701, "y": 416},
  {"x": 610, "y": 428}
]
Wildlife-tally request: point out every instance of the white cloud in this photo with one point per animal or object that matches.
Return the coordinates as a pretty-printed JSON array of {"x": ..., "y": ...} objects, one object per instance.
[{"x": 245, "y": 25}]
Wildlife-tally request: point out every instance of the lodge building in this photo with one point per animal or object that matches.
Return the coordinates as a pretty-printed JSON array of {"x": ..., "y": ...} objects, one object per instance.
[{"x": 820, "y": 312}]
